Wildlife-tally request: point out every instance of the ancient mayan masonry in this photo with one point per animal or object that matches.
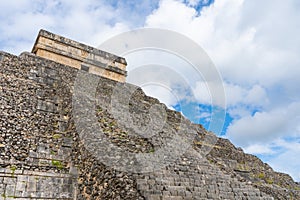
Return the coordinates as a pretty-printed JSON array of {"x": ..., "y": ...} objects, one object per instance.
[
  {"x": 44, "y": 157},
  {"x": 79, "y": 56}
]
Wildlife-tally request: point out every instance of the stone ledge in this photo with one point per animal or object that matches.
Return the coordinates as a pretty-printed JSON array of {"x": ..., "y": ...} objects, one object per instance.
[
  {"x": 14, "y": 173},
  {"x": 80, "y": 56},
  {"x": 79, "y": 45}
]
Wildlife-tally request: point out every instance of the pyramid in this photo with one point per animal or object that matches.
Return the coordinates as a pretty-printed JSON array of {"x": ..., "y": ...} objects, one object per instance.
[{"x": 72, "y": 128}]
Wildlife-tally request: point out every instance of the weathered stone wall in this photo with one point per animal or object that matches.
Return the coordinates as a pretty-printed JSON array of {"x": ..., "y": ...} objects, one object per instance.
[
  {"x": 35, "y": 148},
  {"x": 42, "y": 156},
  {"x": 248, "y": 168}
]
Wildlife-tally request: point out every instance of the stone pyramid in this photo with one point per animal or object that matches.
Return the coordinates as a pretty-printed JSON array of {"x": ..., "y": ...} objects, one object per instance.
[{"x": 64, "y": 135}]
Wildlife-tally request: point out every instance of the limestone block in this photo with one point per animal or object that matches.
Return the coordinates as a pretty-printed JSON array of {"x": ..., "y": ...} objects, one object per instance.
[{"x": 79, "y": 56}]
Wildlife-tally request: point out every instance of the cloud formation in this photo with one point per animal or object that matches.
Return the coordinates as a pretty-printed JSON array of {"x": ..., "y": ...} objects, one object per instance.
[{"x": 89, "y": 21}]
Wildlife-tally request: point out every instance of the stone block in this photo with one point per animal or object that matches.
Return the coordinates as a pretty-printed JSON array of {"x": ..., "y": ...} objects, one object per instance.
[
  {"x": 20, "y": 186},
  {"x": 2, "y": 188},
  {"x": 31, "y": 186},
  {"x": 154, "y": 197},
  {"x": 9, "y": 181},
  {"x": 46, "y": 106},
  {"x": 172, "y": 198},
  {"x": 10, "y": 190}
]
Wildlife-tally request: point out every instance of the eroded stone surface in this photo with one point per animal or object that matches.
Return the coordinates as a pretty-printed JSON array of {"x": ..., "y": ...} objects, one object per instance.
[{"x": 43, "y": 157}]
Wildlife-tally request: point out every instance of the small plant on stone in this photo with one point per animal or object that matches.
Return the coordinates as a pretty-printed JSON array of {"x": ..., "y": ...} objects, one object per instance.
[
  {"x": 56, "y": 136},
  {"x": 261, "y": 175},
  {"x": 111, "y": 124},
  {"x": 57, "y": 164},
  {"x": 151, "y": 150},
  {"x": 99, "y": 109},
  {"x": 52, "y": 152},
  {"x": 269, "y": 181},
  {"x": 13, "y": 169}
]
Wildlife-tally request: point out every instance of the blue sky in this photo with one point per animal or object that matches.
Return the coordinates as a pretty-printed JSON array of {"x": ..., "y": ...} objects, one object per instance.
[{"x": 254, "y": 44}]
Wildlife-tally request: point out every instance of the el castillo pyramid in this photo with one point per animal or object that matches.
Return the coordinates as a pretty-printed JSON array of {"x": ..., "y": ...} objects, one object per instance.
[{"x": 64, "y": 135}]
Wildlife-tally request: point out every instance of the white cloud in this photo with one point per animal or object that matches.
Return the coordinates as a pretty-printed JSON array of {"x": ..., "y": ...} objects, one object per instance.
[
  {"x": 265, "y": 126},
  {"x": 160, "y": 74},
  {"x": 259, "y": 149},
  {"x": 193, "y": 2},
  {"x": 236, "y": 95},
  {"x": 261, "y": 127},
  {"x": 255, "y": 96},
  {"x": 202, "y": 93},
  {"x": 90, "y": 21},
  {"x": 240, "y": 49},
  {"x": 165, "y": 14}
]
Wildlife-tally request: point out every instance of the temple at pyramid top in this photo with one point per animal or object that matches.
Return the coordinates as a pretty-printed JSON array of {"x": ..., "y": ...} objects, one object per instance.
[{"x": 69, "y": 52}]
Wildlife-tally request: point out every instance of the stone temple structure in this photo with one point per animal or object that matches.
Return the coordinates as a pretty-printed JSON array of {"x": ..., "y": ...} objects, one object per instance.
[
  {"x": 54, "y": 136},
  {"x": 80, "y": 56}
]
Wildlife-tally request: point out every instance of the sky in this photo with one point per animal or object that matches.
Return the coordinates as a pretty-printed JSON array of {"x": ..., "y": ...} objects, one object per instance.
[{"x": 253, "y": 44}]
